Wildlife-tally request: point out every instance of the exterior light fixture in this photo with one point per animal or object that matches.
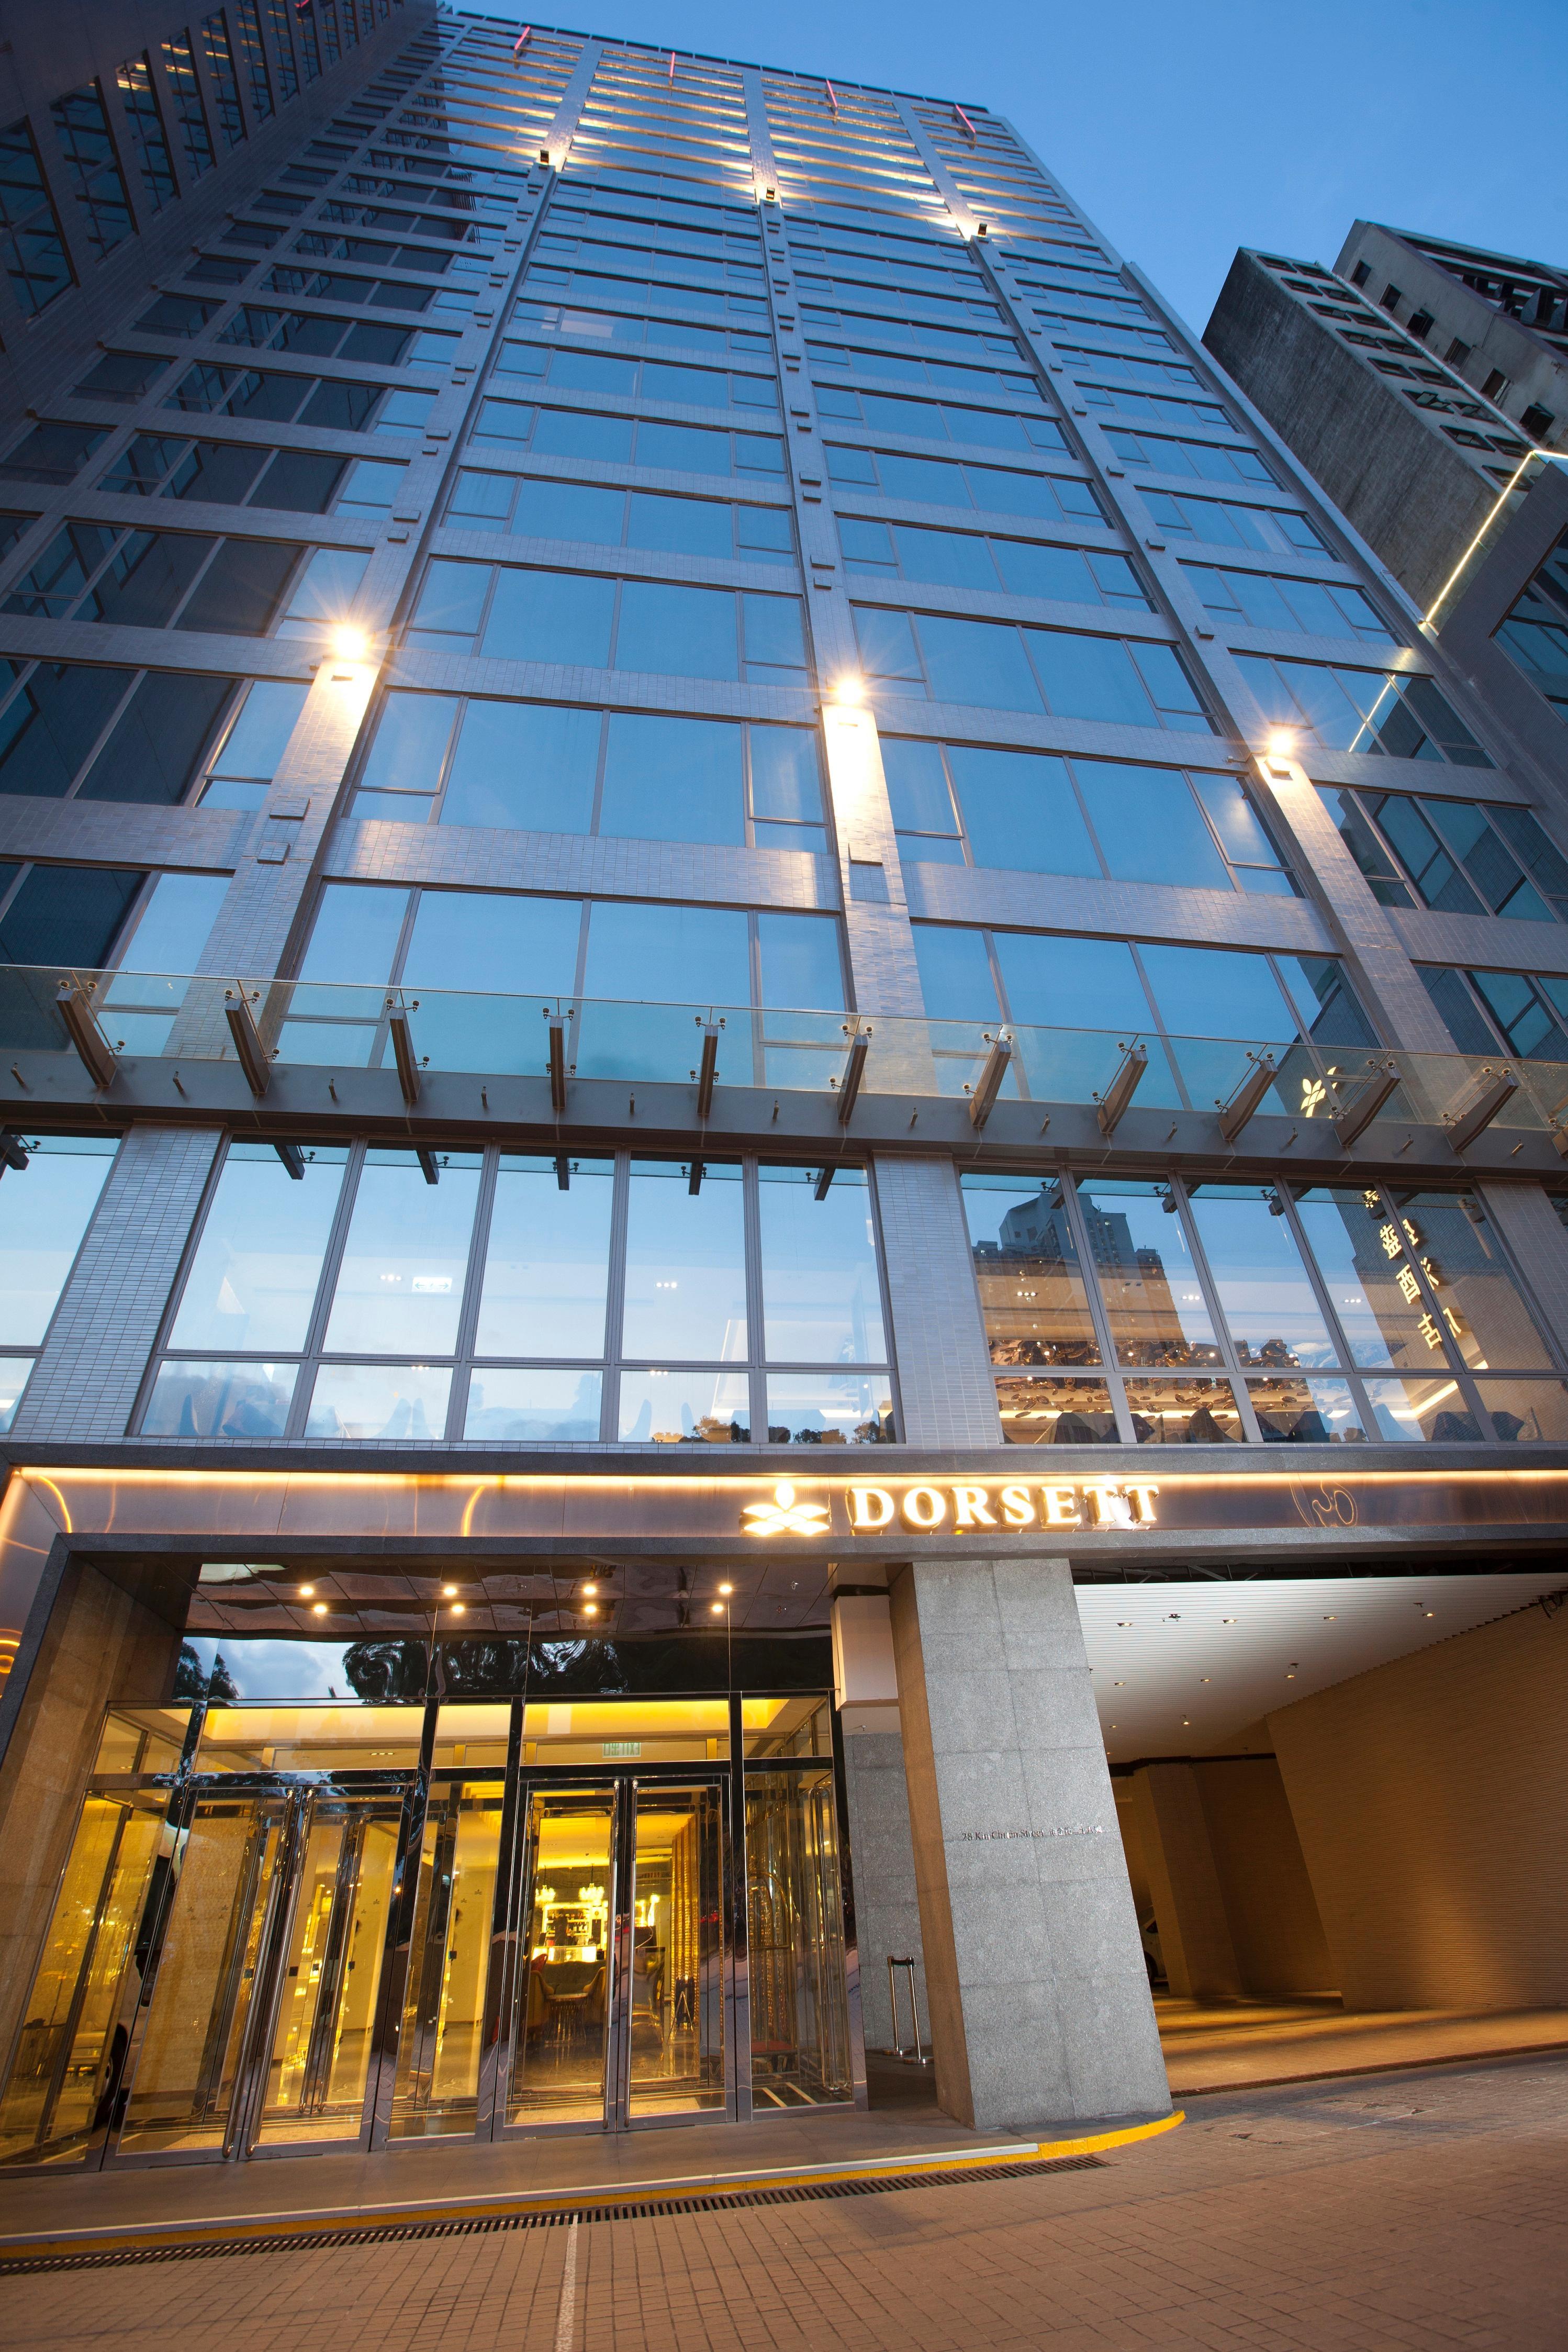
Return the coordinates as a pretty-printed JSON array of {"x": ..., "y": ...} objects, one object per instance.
[
  {"x": 590, "y": 1608},
  {"x": 307, "y": 1592},
  {"x": 350, "y": 645},
  {"x": 449, "y": 1592},
  {"x": 591, "y": 1590},
  {"x": 1282, "y": 743},
  {"x": 849, "y": 690},
  {"x": 319, "y": 1609},
  {"x": 725, "y": 1589},
  {"x": 459, "y": 1609},
  {"x": 716, "y": 1609}
]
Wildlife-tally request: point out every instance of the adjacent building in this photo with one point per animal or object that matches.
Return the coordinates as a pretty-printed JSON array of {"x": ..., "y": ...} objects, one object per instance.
[{"x": 783, "y": 1089}]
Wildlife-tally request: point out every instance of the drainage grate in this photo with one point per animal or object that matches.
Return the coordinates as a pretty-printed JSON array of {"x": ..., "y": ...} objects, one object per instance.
[{"x": 622, "y": 2210}]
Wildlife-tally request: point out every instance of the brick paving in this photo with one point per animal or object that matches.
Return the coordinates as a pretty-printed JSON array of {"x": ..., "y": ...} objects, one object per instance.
[{"x": 1367, "y": 2215}]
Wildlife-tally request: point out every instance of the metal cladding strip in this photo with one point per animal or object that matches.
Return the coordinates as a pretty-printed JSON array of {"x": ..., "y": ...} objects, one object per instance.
[{"x": 586, "y": 2200}]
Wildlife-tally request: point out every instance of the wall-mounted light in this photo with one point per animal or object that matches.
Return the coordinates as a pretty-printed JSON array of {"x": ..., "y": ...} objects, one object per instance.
[
  {"x": 307, "y": 1592},
  {"x": 349, "y": 643}
]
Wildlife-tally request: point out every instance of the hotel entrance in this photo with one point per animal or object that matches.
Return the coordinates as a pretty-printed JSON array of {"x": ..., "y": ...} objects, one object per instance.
[{"x": 290, "y": 1928}]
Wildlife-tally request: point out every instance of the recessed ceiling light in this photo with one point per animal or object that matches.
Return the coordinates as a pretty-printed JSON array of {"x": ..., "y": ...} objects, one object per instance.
[
  {"x": 1206, "y": 1678},
  {"x": 1331, "y": 1621},
  {"x": 1228, "y": 1621},
  {"x": 1118, "y": 1685}
]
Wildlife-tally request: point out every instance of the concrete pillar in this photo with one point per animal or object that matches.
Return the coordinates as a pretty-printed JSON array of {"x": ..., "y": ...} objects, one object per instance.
[
  {"x": 1039, "y": 2002},
  {"x": 1184, "y": 1883},
  {"x": 887, "y": 1902}
]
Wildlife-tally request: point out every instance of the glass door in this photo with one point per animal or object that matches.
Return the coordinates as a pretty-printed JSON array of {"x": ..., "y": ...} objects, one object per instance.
[
  {"x": 326, "y": 1969},
  {"x": 76, "y": 2029},
  {"x": 184, "y": 2068},
  {"x": 670, "y": 1948},
  {"x": 560, "y": 2002},
  {"x": 452, "y": 1950}
]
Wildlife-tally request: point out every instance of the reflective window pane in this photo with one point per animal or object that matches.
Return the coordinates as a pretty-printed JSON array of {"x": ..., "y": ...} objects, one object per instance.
[
  {"x": 1264, "y": 1291},
  {"x": 685, "y": 1265},
  {"x": 1527, "y": 1411},
  {"x": 209, "y": 1400},
  {"x": 1042, "y": 1410},
  {"x": 1422, "y": 1412},
  {"x": 252, "y": 1282},
  {"x": 1148, "y": 1282},
  {"x": 42, "y": 1216},
  {"x": 547, "y": 1262},
  {"x": 1294, "y": 1411},
  {"x": 1479, "y": 1301},
  {"x": 1364, "y": 1256},
  {"x": 1033, "y": 1293},
  {"x": 821, "y": 1297},
  {"x": 685, "y": 1409},
  {"x": 555, "y": 1406},
  {"x": 400, "y": 1286},
  {"x": 1184, "y": 1412},
  {"x": 829, "y": 1409},
  {"x": 356, "y": 1403}
]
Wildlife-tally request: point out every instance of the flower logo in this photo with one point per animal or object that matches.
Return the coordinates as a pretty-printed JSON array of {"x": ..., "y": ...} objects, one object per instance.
[{"x": 785, "y": 1515}]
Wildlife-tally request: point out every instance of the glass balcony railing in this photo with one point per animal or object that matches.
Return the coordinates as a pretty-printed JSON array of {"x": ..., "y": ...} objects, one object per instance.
[{"x": 104, "y": 1019}]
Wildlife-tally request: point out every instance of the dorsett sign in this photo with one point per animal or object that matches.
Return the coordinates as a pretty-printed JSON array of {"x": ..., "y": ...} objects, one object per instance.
[{"x": 963, "y": 1505}]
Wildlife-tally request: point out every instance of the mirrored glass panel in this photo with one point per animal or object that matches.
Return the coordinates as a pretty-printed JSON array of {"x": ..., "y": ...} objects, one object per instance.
[
  {"x": 400, "y": 1284},
  {"x": 800, "y": 2013},
  {"x": 253, "y": 1279},
  {"x": 561, "y": 2011},
  {"x": 1043, "y": 1409},
  {"x": 674, "y": 2000},
  {"x": 1148, "y": 1282},
  {"x": 1033, "y": 1293},
  {"x": 436, "y": 2087},
  {"x": 1265, "y": 1292},
  {"x": 547, "y": 1263},
  {"x": 685, "y": 1263},
  {"x": 821, "y": 1296},
  {"x": 1171, "y": 1411}
]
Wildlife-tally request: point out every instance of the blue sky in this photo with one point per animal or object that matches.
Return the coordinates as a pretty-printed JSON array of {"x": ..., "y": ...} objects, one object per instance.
[{"x": 1184, "y": 132}]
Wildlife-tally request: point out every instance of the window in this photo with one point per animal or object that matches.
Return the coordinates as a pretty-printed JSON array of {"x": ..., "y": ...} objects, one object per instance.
[
  {"x": 333, "y": 403},
  {"x": 574, "y": 433},
  {"x": 119, "y": 376},
  {"x": 235, "y": 473},
  {"x": 1420, "y": 325},
  {"x": 1269, "y": 531},
  {"x": 508, "y": 613},
  {"x": 69, "y": 730},
  {"x": 438, "y": 758},
  {"x": 220, "y": 64},
  {"x": 44, "y": 1214},
  {"x": 1534, "y": 637},
  {"x": 1210, "y": 461},
  {"x": 335, "y": 286},
  {"x": 1526, "y": 1011},
  {"x": 1457, "y": 354},
  {"x": 190, "y": 115},
  {"x": 596, "y": 328},
  {"x": 1036, "y": 813},
  {"x": 631, "y": 379},
  {"x": 956, "y": 559},
  {"x": 52, "y": 453},
  {"x": 1314, "y": 608},
  {"x": 929, "y": 420},
  {"x": 248, "y": 28},
  {"x": 921, "y": 655},
  {"x": 138, "y": 100},
  {"x": 149, "y": 578},
  {"x": 1361, "y": 273},
  {"x": 277, "y": 14},
  {"x": 1391, "y": 298},
  {"x": 64, "y": 917},
  {"x": 611, "y": 1300},
  {"x": 92, "y": 168},
  {"x": 238, "y": 773},
  {"x": 176, "y": 314},
  {"x": 1459, "y": 856},
  {"x": 1075, "y": 999},
  {"x": 600, "y": 517},
  {"x": 940, "y": 482},
  {"x": 1393, "y": 716},
  {"x": 452, "y": 945},
  {"x": 368, "y": 341},
  {"x": 30, "y": 242},
  {"x": 1170, "y": 1312}
]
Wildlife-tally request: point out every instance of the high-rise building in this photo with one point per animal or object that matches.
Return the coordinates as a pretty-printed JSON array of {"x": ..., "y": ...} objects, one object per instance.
[
  {"x": 698, "y": 834},
  {"x": 1366, "y": 375}
]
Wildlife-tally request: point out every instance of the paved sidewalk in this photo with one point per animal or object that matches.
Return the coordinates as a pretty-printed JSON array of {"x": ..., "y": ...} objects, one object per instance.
[
  {"x": 1230, "y": 2045},
  {"x": 1380, "y": 2214}
]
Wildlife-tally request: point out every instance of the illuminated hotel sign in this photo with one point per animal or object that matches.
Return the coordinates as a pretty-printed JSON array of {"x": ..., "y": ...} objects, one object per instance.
[{"x": 965, "y": 1506}]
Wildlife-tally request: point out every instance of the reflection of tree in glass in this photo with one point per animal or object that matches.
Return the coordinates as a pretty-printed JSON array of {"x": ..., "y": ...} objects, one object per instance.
[
  {"x": 380, "y": 1671},
  {"x": 193, "y": 1680}
]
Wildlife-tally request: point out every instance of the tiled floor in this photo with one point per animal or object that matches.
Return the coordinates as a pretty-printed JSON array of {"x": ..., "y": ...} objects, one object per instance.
[
  {"x": 1373, "y": 2215},
  {"x": 1223, "y": 2045}
]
